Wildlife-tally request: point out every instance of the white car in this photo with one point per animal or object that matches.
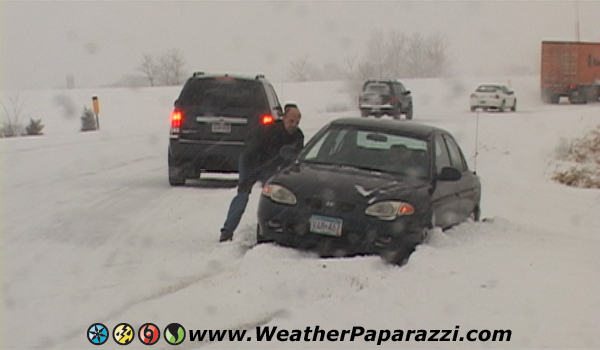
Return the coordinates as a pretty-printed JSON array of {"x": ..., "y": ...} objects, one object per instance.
[{"x": 496, "y": 96}]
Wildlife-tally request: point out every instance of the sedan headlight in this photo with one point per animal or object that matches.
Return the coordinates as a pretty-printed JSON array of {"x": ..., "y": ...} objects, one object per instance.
[
  {"x": 389, "y": 210},
  {"x": 279, "y": 194}
]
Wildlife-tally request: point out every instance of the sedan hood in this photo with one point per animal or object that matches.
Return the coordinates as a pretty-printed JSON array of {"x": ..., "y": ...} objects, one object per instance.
[{"x": 348, "y": 182}]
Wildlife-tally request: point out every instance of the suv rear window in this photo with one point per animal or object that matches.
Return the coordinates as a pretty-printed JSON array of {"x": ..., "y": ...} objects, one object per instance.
[
  {"x": 378, "y": 88},
  {"x": 223, "y": 94}
]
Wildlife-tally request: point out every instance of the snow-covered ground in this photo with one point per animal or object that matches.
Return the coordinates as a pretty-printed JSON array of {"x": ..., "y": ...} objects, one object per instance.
[{"x": 92, "y": 232}]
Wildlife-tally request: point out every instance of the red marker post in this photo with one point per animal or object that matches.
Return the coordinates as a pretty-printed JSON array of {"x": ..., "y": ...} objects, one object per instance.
[{"x": 96, "y": 107}]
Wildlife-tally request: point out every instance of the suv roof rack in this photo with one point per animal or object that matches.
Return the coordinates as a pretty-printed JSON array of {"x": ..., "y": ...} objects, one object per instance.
[
  {"x": 196, "y": 73},
  {"x": 259, "y": 76}
]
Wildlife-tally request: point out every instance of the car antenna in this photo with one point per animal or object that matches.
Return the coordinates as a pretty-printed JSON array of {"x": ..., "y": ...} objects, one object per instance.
[{"x": 476, "y": 142}]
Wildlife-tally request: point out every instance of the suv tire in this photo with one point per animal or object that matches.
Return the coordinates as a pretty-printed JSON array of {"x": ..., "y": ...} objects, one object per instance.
[
  {"x": 176, "y": 177},
  {"x": 176, "y": 174},
  {"x": 409, "y": 113}
]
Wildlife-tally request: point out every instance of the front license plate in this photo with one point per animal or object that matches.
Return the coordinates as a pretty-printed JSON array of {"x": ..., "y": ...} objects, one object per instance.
[
  {"x": 221, "y": 128},
  {"x": 325, "y": 225}
]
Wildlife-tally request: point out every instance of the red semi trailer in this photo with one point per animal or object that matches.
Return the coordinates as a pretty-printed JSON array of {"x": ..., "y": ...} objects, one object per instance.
[{"x": 570, "y": 69}]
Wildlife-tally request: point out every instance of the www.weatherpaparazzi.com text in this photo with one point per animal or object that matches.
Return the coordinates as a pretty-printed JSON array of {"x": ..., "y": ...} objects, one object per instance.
[{"x": 356, "y": 333}]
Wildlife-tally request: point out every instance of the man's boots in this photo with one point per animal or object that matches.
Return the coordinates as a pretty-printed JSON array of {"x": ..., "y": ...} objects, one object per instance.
[{"x": 225, "y": 237}]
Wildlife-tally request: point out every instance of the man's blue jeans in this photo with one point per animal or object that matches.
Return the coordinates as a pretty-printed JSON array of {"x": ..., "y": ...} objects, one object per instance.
[{"x": 240, "y": 201}]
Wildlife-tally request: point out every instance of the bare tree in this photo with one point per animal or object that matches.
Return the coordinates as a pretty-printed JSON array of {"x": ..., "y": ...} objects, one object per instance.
[
  {"x": 378, "y": 52},
  {"x": 415, "y": 56},
  {"x": 149, "y": 68},
  {"x": 166, "y": 69},
  {"x": 350, "y": 66},
  {"x": 437, "y": 59},
  {"x": 13, "y": 117},
  {"x": 396, "y": 53},
  {"x": 170, "y": 67},
  {"x": 301, "y": 69},
  {"x": 366, "y": 70}
]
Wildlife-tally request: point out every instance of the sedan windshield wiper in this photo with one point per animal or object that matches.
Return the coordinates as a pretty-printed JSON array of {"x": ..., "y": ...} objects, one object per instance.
[
  {"x": 344, "y": 165},
  {"x": 360, "y": 167},
  {"x": 317, "y": 162}
]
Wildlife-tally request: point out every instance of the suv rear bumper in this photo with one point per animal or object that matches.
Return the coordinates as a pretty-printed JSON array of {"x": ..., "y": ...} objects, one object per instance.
[
  {"x": 376, "y": 108},
  {"x": 208, "y": 156}
]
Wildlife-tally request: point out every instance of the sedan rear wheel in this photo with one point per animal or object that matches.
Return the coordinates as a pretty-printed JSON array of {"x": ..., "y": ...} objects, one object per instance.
[
  {"x": 514, "y": 106},
  {"x": 502, "y": 106}
]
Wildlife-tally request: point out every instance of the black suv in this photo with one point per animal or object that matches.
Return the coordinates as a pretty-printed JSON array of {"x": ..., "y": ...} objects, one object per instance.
[
  {"x": 385, "y": 96},
  {"x": 211, "y": 120}
]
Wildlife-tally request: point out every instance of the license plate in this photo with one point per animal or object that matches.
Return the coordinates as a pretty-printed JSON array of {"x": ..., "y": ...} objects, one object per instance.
[
  {"x": 221, "y": 128},
  {"x": 325, "y": 225}
]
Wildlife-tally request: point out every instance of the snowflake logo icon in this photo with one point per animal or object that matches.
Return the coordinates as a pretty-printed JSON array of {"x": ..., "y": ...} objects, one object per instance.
[{"x": 97, "y": 334}]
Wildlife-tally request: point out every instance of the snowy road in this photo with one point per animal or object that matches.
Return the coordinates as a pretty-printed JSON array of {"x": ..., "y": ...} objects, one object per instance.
[{"x": 93, "y": 233}]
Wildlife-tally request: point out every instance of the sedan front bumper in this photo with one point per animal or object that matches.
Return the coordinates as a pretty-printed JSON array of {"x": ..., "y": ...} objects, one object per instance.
[{"x": 291, "y": 226}]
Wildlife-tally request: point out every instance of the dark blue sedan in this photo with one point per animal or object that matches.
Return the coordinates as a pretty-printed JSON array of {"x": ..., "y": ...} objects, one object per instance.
[{"x": 368, "y": 186}]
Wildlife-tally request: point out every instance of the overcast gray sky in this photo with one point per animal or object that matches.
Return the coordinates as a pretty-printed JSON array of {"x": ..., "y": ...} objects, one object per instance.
[{"x": 41, "y": 42}]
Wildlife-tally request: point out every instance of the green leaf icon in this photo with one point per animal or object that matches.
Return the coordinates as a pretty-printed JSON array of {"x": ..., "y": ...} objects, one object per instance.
[
  {"x": 170, "y": 337},
  {"x": 171, "y": 330}
]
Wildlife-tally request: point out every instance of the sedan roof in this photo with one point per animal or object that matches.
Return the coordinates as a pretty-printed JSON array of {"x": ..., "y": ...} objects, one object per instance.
[{"x": 411, "y": 127}]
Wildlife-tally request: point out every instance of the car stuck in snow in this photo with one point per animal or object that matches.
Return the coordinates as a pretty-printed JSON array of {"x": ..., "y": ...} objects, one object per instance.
[{"x": 368, "y": 186}]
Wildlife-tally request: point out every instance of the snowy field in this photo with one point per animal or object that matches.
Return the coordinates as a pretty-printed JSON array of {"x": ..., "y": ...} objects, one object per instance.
[{"x": 92, "y": 232}]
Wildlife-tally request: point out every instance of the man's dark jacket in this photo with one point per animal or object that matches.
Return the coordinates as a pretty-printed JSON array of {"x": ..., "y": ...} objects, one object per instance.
[{"x": 263, "y": 147}]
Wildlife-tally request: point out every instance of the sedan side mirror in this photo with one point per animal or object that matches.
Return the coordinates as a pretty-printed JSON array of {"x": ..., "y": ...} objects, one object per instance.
[
  {"x": 449, "y": 174},
  {"x": 407, "y": 92}
]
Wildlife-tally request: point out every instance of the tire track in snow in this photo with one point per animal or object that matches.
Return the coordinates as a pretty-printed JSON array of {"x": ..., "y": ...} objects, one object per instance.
[{"x": 221, "y": 264}]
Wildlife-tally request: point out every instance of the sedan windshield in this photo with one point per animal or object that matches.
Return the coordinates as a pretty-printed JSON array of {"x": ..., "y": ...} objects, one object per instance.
[{"x": 373, "y": 150}]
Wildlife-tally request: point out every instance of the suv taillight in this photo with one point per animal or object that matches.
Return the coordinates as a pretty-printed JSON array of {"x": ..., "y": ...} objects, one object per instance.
[
  {"x": 266, "y": 119},
  {"x": 176, "y": 119}
]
